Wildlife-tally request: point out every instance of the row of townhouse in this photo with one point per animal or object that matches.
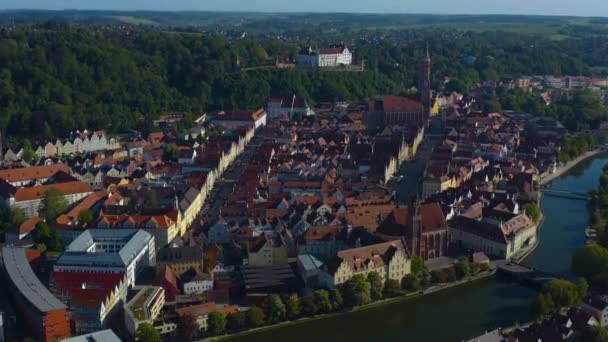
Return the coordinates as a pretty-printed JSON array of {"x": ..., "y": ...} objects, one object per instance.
[{"x": 82, "y": 143}]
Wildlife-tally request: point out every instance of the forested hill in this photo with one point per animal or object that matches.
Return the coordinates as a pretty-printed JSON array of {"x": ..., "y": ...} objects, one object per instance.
[{"x": 54, "y": 79}]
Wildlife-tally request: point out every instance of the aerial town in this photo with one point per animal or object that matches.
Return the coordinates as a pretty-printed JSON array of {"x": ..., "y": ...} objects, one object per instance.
[{"x": 254, "y": 217}]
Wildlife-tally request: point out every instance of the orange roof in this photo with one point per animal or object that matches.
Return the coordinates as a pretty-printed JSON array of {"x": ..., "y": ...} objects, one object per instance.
[
  {"x": 205, "y": 309},
  {"x": 37, "y": 192},
  {"x": 29, "y": 225},
  {"x": 86, "y": 203},
  {"x": 432, "y": 217},
  {"x": 31, "y": 173}
]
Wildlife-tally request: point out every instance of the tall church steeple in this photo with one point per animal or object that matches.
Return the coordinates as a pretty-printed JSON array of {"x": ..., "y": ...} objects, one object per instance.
[{"x": 424, "y": 80}]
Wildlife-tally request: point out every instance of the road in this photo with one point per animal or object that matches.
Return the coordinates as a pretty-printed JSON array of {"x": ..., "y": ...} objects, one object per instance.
[
  {"x": 225, "y": 186},
  {"x": 408, "y": 187}
]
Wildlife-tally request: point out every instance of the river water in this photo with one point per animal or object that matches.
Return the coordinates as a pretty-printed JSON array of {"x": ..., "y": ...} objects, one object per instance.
[{"x": 462, "y": 312}]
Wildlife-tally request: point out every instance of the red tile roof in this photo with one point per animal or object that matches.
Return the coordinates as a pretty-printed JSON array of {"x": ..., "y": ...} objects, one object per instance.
[{"x": 34, "y": 172}]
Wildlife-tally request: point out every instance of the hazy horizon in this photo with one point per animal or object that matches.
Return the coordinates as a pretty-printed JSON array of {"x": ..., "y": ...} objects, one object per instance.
[{"x": 587, "y": 8}]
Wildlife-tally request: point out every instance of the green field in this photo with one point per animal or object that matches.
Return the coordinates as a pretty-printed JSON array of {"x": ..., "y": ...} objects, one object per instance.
[{"x": 133, "y": 20}]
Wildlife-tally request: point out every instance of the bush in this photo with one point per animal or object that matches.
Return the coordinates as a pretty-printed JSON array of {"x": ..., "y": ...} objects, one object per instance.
[
  {"x": 255, "y": 317},
  {"x": 391, "y": 288},
  {"x": 410, "y": 282},
  {"x": 439, "y": 277}
]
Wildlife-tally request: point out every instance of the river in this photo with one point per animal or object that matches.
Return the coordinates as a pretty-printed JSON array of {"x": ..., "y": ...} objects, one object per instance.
[{"x": 465, "y": 311}]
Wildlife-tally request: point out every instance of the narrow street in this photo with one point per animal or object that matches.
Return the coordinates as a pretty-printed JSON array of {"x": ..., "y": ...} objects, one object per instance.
[{"x": 412, "y": 171}]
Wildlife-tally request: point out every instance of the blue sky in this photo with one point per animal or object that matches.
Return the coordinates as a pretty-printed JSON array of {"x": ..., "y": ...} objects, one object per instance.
[{"x": 546, "y": 7}]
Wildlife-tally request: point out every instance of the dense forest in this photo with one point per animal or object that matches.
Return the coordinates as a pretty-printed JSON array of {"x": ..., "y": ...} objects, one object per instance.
[{"x": 58, "y": 77}]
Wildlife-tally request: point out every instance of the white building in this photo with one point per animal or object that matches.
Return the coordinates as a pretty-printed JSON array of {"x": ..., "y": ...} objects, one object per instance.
[
  {"x": 598, "y": 307},
  {"x": 502, "y": 236},
  {"x": 195, "y": 281},
  {"x": 126, "y": 251},
  {"x": 144, "y": 307},
  {"x": 325, "y": 57},
  {"x": 278, "y": 106}
]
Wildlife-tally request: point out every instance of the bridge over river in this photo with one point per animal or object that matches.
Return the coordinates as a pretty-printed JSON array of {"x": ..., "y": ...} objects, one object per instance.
[
  {"x": 526, "y": 275},
  {"x": 581, "y": 196}
]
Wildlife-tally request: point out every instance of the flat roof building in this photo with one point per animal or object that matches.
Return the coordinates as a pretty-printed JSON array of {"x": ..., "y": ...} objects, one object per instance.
[
  {"x": 45, "y": 315},
  {"x": 126, "y": 251}
]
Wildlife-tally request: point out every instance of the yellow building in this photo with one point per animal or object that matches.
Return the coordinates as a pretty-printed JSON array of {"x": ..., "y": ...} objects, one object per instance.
[
  {"x": 391, "y": 260},
  {"x": 180, "y": 259}
]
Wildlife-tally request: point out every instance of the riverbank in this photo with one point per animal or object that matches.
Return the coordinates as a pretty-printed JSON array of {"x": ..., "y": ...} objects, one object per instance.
[
  {"x": 430, "y": 290},
  {"x": 564, "y": 168}
]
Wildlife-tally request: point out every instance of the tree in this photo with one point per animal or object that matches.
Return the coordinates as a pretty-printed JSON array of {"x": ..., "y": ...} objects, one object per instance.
[
  {"x": 293, "y": 308},
  {"x": 410, "y": 282},
  {"x": 590, "y": 261},
  {"x": 151, "y": 199},
  {"x": 582, "y": 286},
  {"x": 562, "y": 292},
  {"x": 255, "y": 317},
  {"x": 593, "y": 334},
  {"x": 309, "y": 306},
  {"x": 418, "y": 265},
  {"x": 543, "y": 306},
  {"x": 391, "y": 288},
  {"x": 53, "y": 204},
  {"x": 376, "y": 283},
  {"x": 170, "y": 152},
  {"x": 356, "y": 291},
  {"x": 28, "y": 152},
  {"x": 275, "y": 309},
  {"x": 336, "y": 299},
  {"x": 533, "y": 211},
  {"x": 462, "y": 267},
  {"x": 237, "y": 321},
  {"x": 216, "y": 323},
  {"x": 18, "y": 217},
  {"x": 322, "y": 301},
  {"x": 85, "y": 216},
  {"x": 187, "y": 328},
  {"x": 147, "y": 333}
]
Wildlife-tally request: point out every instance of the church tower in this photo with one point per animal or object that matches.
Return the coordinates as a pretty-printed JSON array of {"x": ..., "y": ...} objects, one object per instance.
[
  {"x": 424, "y": 81},
  {"x": 414, "y": 224}
]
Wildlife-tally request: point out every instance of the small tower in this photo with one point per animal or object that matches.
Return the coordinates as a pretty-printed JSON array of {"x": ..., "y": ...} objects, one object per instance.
[{"x": 424, "y": 81}]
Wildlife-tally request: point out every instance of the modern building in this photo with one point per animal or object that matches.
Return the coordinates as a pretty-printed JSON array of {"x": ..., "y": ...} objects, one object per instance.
[
  {"x": 391, "y": 260},
  {"x": 102, "y": 336},
  {"x": 125, "y": 251},
  {"x": 44, "y": 315},
  {"x": 325, "y": 57},
  {"x": 92, "y": 297},
  {"x": 144, "y": 307}
]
